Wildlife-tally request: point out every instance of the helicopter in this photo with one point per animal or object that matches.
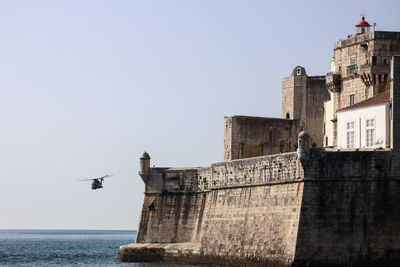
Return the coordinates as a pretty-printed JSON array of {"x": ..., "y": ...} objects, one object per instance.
[{"x": 97, "y": 183}]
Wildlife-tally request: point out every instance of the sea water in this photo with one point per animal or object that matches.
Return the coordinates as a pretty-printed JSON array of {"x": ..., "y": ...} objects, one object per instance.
[{"x": 66, "y": 248}]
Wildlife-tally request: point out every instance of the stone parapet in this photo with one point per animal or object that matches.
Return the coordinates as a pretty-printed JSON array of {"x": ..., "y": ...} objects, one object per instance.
[
  {"x": 374, "y": 35},
  {"x": 250, "y": 171}
]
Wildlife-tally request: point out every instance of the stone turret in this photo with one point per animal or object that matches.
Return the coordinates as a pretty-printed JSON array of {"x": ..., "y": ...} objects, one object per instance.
[
  {"x": 144, "y": 171},
  {"x": 303, "y": 151}
]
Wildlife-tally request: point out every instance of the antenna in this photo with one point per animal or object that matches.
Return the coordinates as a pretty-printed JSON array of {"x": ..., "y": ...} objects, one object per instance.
[
  {"x": 373, "y": 25},
  {"x": 363, "y": 14}
]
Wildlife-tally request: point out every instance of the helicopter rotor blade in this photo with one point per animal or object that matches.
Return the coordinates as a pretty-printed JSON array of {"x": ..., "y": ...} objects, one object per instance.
[
  {"x": 100, "y": 178},
  {"x": 105, "y": 176}
]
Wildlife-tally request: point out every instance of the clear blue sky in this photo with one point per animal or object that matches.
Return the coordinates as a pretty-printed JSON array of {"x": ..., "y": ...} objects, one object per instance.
[{"x": 87, "y": 86}]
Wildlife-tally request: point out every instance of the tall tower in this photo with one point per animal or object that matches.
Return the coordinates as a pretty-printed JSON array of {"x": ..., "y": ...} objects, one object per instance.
[
  {"x": 293, "y": 95},
  {"x": 303, "y": 99}
]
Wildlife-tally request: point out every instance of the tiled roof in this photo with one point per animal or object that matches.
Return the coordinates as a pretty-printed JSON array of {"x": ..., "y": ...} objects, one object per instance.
[{"x": 375, "y": 100}]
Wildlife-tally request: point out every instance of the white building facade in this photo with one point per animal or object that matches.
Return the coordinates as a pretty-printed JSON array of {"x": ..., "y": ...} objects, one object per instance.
[{"x": 366, "y": 124}]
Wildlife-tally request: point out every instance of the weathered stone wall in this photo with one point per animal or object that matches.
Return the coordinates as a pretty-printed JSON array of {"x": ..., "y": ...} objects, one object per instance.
[
  {"x": 303, "y": 99},
  {"x": 257, "y": 136},
  {"x": 168, "y": 218},
  {"x": 316, "y": 95},
  {"x": 395, "y": 97},
  {"x": 249, "y": 172},
  {"x": 326, "y": 207},
  {"x": 170, "y": 206},
  {"x": 252, "y": 223},
  {"x": 288, "y": 97},
  {"x": 255, "y": 197},
  {"x": 349, "y": 210},
  {"x": 352, "y": 86},
  {"x": 228, "y": 138},
  {"x": 293, "y": 95}
]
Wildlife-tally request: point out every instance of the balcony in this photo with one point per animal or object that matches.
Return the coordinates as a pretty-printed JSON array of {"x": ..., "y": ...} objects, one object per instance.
[
  {"x": 375, "y": 69},
  {"x": 352, "y": 69},
  {"x": 333, "y": 82},
  {"x": 375, "y": 74}
]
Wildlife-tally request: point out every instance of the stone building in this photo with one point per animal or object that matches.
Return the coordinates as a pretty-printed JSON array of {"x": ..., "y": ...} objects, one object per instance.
[
  {"x": 360, "y": 69},
  {"x": 281, "y": 198}
]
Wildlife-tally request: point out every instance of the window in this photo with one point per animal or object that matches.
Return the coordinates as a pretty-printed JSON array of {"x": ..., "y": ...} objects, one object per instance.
[
  {"x": 370, "y": 128},
  {"x": 352, "y": 99},
  {"x": 326, "y": 140},
  {"x": 350, "y": 134},
  {"x": 373, "y": 60},
  {"x": 298, "y": 71},
  {"x": 353, "y": 61}
]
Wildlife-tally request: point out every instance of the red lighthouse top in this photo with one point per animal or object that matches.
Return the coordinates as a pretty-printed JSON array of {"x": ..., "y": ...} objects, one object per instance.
[
  {"x": 362, "y": 23},
  {"x": 362, "y": 27}
]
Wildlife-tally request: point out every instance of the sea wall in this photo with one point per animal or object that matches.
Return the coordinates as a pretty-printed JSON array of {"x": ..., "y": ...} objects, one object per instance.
[
  {"x": 251, "y": 198},
  {"x": 169, "y": 207},
  {"x": 349, "y": 210},
  {"x": 318, "y": 207},
  {"x": 238, "y": 221}
]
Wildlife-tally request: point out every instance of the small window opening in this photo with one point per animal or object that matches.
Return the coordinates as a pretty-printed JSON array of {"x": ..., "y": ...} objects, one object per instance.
[
  {"x": 352, "y": 99},
  {"x": 298, "y": 71},
  {"x": 373, "y": 60},
  {"x": 151, "y": 206},
  {"x": 287, "y": 116}
]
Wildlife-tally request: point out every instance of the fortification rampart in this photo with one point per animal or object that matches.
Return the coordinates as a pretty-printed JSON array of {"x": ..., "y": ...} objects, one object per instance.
[
  {"x": 308, "y": 208},
  {"x": 348, "y": 211},
  {"x": 249, "y": 172}
]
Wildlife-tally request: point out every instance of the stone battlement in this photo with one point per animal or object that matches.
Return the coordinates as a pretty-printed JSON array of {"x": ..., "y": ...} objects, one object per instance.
[
  {"x": 250, "y": 171},
  {"x": 374, "y": 35}
]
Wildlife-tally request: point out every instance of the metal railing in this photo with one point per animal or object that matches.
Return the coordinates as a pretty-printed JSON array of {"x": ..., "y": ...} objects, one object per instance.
[
  {"x": 366, "y": 66},
  {"x": 352, "y": 69}
]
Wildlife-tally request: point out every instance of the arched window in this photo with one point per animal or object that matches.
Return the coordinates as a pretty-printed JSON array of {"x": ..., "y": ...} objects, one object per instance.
[{"x": 298, "y": 71}]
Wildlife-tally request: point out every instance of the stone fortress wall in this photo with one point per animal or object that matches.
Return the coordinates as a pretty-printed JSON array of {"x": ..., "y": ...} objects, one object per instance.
[
  {"x": 349, "y": 209},
  {"x": 291, "y": 208}
]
